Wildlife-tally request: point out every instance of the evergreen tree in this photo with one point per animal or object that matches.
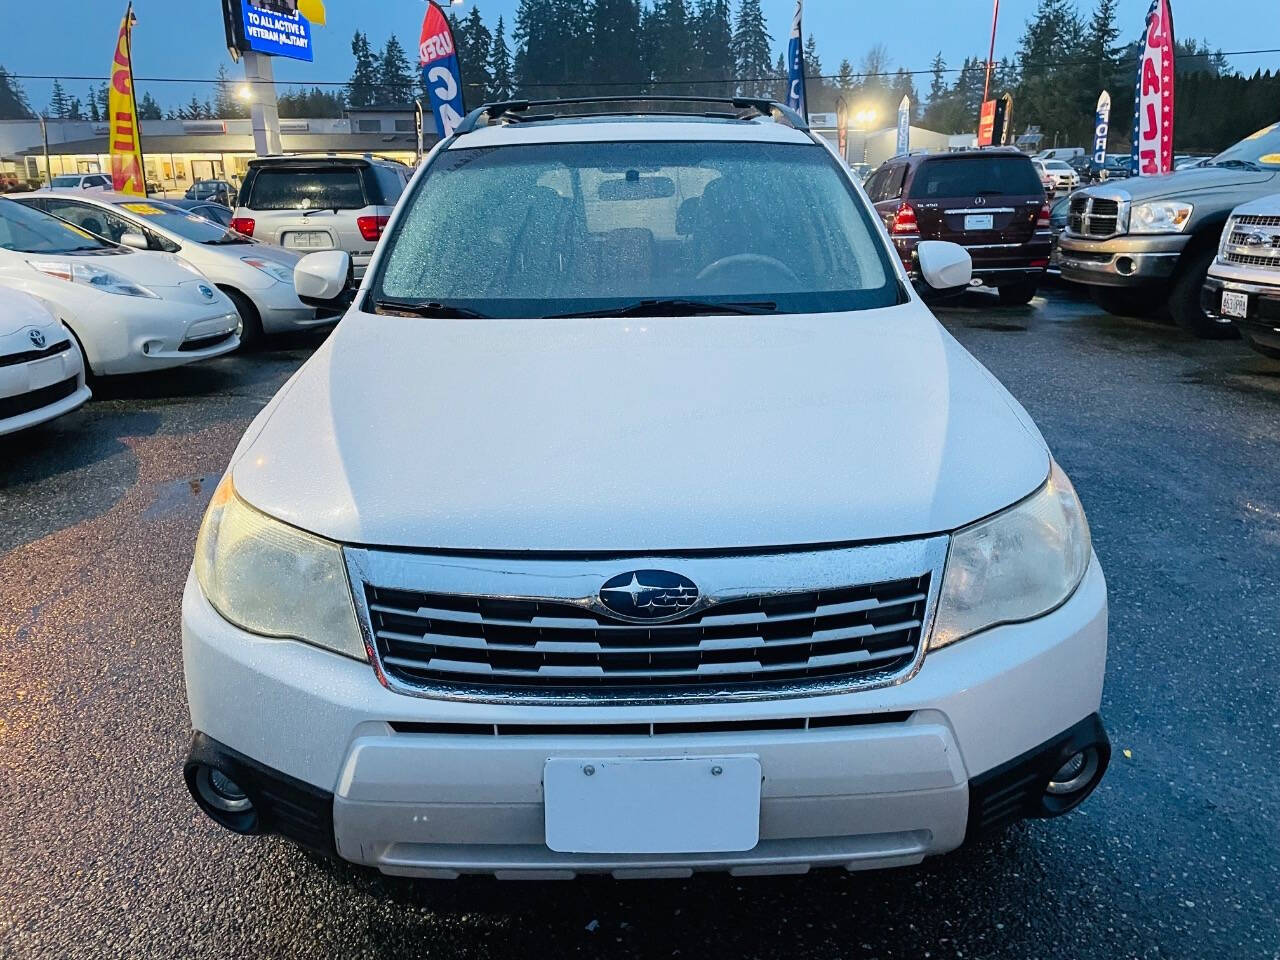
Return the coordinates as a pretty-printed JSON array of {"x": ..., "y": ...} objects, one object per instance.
[
  {"x": 501, "y": 78},
  {"x": 903, "y": 86},
  {"x": 226, "y": 105},
  {"x": 104, "y": 100},
  {"x": 394, "y": 77},
  {"x": 815, "y": 88},
  {"x": 846, "y": 82},
  {"x": 1100, "y": 46},
  {"x": 194, "y": 110},
  {"x": 937, "y": 82},
  {"x": 1052, "y": 92},
  {"x": 95, "y": 115},
  {"x": 13, "y": 99},
  {"x": 713, "y": 40},
  {"x": 58, "y": 102},
  {"x": 75, "y": 109},
  {"x": 614, "y": 29},
  {"x": 311, "y": 103},
  {"x": 671, "y": 46},
  {"x": 362, "y": 88},
  {"x": 752, "y": 56},
  {"x": 477, "y": 80},
  {"x": 148, "y": 109}
]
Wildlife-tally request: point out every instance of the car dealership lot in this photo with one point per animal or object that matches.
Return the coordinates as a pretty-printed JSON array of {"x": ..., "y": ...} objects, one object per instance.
[{"x": 1174, "y": 447}]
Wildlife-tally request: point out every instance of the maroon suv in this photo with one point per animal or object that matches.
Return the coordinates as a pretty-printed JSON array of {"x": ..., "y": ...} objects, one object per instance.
[{"x": 988, "y": 201}]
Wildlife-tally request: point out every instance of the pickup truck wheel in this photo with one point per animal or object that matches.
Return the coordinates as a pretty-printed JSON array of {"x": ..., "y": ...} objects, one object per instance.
[
  {"x": 1016, "y": 294},
  {"x": 1184, "y": 299},
  {"x": 1126, "y": 303},
  {"x": 1262, "y": 348}
]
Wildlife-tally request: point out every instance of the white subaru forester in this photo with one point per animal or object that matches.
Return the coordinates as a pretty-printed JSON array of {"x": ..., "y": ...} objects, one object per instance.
[{"x": 640, "y": 518}]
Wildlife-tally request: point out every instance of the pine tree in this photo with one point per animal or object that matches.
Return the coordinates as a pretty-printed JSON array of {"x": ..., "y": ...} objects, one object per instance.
[
  {"x": 104, "y": 101},
  {"x": 95, "y": 115},
  {"x": 148, "y": 109},
  {"x": 58, "y": 102},
  {"x": 501, "y": 80},
  {"x": 846, "y": 82},
  {"x": 815, "y": 87},
  {"x": 752, "y": 56},
  {"x": 713, "y": 40},
  {"x": 1051, "y": 92},
  {"x": 362, "y": 88},
  {"x": 477, "y": 80},
  {"x": 194, "y": 110},
  {"x": 226, "y": 105},
  {"x": 671, "y": 43},
  {"x": 903, "y": 86},
  {"x": 13, "y": 99},
  {"x": 937, "y": 81},
  {"x": 395, "y": 78},
  {"x": 75, "y": 109},
  {"x": 1100, "y": 45}
]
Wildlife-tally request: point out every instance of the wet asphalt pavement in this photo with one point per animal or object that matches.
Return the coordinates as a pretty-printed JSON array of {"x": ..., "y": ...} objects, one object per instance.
[{"x": 1174, "y": 446}]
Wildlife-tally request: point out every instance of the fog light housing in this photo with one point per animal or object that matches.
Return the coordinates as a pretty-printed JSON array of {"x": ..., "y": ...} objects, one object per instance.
[
  {"x": 223, "y": 799},
  {"x": 1074, "y": 774}
]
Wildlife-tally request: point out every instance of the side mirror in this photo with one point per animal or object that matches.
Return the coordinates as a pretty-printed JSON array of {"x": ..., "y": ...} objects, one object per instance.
[
  {"x": 325, "y": 280},
  {"x": 945, "y": 268},
  {"x": 135, "y": 240}
]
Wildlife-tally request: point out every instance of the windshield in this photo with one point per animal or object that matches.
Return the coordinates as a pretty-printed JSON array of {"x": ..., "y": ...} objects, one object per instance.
[
  {"x": 975, "y": 176},
  {"x": 1058, "y": 165},
  {"x": 25, "y": 230},
  {"x": 188, "y": 225},
  {"x": 65, "y": 182},
  {"x": 1259, "y": 150},
  {"x": 546, "y": 229}
]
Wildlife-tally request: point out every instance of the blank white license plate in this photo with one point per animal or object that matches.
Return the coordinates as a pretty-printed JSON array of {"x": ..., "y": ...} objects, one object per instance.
[
  {"x": 308, "y": 240},
  {"x": 683, "y": 805},
  {"x": 1235, "y": 304},
  {"x": 44, "y": 373},
  {"x": 978, "y": 221}
]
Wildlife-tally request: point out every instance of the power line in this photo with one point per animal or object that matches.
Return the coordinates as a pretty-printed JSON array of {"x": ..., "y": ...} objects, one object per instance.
[{"x": 646, "y": 82}]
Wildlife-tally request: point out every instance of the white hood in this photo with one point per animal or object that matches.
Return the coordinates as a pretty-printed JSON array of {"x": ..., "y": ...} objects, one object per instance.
[
  {"x": 639, "y": 435},
  {"x": 19, "y": 310}
]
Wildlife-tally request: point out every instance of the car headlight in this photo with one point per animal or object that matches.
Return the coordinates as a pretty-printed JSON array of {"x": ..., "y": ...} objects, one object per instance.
[
  {"x": 99, "y": 278},
  {"x": 272, "y": 579},
  {"x": 272, "y": 269},
  {"x": 1159, "y": 216},
  {"x": 1017, "y": 565}
]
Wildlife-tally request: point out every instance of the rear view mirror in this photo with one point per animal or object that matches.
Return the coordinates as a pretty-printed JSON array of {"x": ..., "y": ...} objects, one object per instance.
[
  {"x": 944, "y": 267},
  {"x": 637, "y": 188},
  {"x": 325, "y": 279}
]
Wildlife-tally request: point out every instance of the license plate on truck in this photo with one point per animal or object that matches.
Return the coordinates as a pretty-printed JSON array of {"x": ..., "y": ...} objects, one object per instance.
[
  {"x": 978, "y": 221},
  {"x": 634, "y": 805},
  {"x": 1235, "y": 304}
]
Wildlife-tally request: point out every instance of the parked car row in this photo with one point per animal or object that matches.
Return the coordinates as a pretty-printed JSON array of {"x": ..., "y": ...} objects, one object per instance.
[{"x": 96, "y": 283}]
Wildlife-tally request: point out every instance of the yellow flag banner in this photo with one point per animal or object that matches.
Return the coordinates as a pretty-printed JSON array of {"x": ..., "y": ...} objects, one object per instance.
[{"x": 122, "y": 114}]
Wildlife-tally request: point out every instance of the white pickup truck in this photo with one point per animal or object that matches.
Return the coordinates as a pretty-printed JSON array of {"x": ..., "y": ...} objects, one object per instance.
[{"x": 1243, "y": 285}]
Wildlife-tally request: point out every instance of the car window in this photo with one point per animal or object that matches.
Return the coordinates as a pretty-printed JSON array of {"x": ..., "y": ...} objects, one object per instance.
[
  {"x": 587, "y": 226},
  {"x": 1261, "y": 150},
  {"x": 874, "y": 183},
  {"x": 389, "y": 184},
  {"x": 975, "y": 176},
  {"x": 65, "y": 182},
  {"x": 187, "y": 224},
  {"x": 96, "y": 220},
  {"x": 25, "y": 230},
  {"x": 293, "y": 188},
  {"x": 893, "y": 182}
]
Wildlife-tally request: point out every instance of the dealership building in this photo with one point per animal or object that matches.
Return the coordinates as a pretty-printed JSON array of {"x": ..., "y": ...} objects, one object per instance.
[{"x": 176, "y": 153}]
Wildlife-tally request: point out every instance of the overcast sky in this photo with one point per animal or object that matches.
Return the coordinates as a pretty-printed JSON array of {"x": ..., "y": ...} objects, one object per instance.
[{"x": 184, "y": 38}]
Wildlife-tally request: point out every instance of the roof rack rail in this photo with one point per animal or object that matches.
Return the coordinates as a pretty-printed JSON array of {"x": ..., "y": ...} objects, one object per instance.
[{"x": 517, "y": 111}]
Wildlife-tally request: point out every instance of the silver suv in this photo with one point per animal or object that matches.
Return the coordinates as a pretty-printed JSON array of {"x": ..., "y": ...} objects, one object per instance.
[{"x": 310, "y": 203}]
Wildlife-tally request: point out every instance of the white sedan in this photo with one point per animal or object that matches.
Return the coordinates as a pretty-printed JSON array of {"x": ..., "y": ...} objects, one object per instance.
[
  {"x": 258, "y": 277},
  {"x": 130, "y": 311},
  {"x": 41, "y": 371}
]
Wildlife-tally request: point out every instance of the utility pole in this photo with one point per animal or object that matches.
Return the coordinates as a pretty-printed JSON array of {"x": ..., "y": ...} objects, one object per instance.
[{"x": 991, "y": 53}]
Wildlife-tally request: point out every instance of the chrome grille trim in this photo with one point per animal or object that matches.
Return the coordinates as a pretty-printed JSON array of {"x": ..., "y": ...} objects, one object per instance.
[
  {"x": 1256, "y": 220},
  {"x": 578, "y": 654},
  {"x": 1251, "y": 240},
  {"x": 1097, "y": 217}
]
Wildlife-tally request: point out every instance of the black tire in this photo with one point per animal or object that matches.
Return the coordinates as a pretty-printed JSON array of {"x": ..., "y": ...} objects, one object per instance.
[
  {"x": 1017, "y": 294},
  {"x": 1265, "y": 349},
  {"x": 1122, "y": 302},
  {"x": 251, "y": 334},
  {"x": 1184, "y": 298}
]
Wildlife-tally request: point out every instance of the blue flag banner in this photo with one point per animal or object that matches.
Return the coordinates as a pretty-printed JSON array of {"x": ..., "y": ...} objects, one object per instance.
[
  {"x": 1101, "y": 122},
  {"x": 796, "y": 98},
  {"x": 441, "y": 73},
  {"x": 904, "y": 127}
]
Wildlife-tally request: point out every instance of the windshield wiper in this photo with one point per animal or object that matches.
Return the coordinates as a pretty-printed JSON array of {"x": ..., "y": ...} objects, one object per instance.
[
  {"x": 675, "y": 307},
  {"x": 412, "y": 308},
  {"x": 307, "y": 213},
  {"x": 1246, "y": 164}
]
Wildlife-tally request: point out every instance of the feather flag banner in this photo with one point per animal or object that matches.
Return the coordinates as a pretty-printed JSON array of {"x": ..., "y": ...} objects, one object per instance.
[{"x": 1153, "y": 98}]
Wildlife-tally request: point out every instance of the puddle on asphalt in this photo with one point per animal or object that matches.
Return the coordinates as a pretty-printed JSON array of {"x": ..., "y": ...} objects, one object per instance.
[{"x": 181, "y": 496}]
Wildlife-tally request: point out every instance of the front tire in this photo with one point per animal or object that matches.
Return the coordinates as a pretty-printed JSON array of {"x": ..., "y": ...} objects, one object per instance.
[
  {"x": 1262, "y": 348},
  {"x": 1120, "y": 302},
  {"x": 1184, "y": 299},
  {"x": 251, "y": 334},
  {"x": 1017, "y": 294}
]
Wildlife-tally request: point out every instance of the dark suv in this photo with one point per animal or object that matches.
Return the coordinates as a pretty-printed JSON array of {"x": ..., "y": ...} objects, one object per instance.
[{"x": 988, "y": 201}]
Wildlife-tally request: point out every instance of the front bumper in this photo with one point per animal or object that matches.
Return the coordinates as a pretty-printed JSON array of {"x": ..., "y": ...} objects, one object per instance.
[
  {"x": 281, "y": 311},
  {"x": 1262, "y": 325},
  {"x": 1124, "y": 261},
  {"x": 38, "y": 391},
  {"x": 426, "y": 787}
]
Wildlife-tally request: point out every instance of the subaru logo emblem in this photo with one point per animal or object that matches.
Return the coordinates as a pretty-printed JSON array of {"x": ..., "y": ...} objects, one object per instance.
[
  {"x": 206, "y": 291},
  {"x": 37, "y": 338},
  {"x": 648, "y": 595}
]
